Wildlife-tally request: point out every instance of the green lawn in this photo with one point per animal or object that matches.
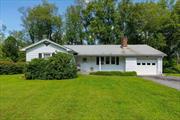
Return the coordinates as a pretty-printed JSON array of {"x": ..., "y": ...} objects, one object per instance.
[
  {"x": 88, "y": 98},
  {"x": 172, "y": 74}
]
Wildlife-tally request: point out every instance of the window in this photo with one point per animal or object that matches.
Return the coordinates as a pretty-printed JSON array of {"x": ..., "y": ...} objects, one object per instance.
[
  {"x": 40, "y": 55},
  {"x": 107, "y": 60},
  {"x": 46, "y": 55},
  {"x": 148, "y": 63},
  {"x": 153, "y": 63},
  {"x": 97, "y": 60},
  {"x": 102, "y": 60},
  {"x": 112, "y": 60},
  {"x": 138, "y": 63},
  {"x": 53, "y": 54},
  {"x": 84, "y": 59},
  {"x": 117, "y": 60},
  {"x": 143, "y": 63}
]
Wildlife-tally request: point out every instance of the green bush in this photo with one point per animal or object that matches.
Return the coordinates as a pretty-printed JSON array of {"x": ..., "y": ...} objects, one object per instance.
[
  {"x": 174, "y": 69},
  {"x": 59, "y": 66},
  {"x": 114, "y": 73},
  {"x": 7, "y": 67}
]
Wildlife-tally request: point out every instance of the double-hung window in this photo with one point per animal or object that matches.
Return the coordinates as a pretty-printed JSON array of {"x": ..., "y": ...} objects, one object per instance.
[{"x": 44, "y": 55}]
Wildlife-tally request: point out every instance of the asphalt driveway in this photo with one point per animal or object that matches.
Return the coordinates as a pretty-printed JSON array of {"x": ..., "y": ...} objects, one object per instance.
[{"x": 173, "y": 82}]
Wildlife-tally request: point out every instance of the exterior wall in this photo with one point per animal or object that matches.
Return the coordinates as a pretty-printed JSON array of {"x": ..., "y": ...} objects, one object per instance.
[
  {"x": 42, "y": 48},
  {"x": 159, "y": 66},
  {"x": 125, "y": 63},
  {"x": 131, "y": 65},
  {"x": 91, "y": 66}
]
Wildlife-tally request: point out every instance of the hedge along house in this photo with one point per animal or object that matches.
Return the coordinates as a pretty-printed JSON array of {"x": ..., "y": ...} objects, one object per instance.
[{"x": 143, "y": 59}]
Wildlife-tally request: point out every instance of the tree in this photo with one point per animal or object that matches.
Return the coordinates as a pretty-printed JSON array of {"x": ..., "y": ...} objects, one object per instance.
[
  {"x": 73, "y": 26},
  {"x": 142, "y": 22},
  {"x": 42, "y": 20},
  {"x": 10, "y": 48},
  {"x": 99, "y": 22},
  {"x": 21, "y": 37},
  {"x": 171, "y": 31},
  {"x": 2, "y": 33}
]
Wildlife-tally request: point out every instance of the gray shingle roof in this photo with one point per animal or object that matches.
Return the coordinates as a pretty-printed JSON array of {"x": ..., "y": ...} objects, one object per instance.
[
  {"x": 103, "y": 50},
  {"x": 131, "y": 50}
]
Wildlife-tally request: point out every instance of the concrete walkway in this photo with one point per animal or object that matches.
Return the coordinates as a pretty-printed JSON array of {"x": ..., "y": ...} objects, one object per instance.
[{"x": 173, "y": 82}]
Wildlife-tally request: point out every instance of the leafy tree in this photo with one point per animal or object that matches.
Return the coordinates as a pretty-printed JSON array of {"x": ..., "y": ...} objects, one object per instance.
[
  {"x": 99, "y": 22},
  {"x": 21, "y": 37},
  {"x": 171, "y": 31},
  {"x": 10, "y": 48},
  {"x": 42, "y": 20},
  {"x": 2, "y": 33},
  {"x": 142, "y": 22},
  {"x": 73, "y": 26}
]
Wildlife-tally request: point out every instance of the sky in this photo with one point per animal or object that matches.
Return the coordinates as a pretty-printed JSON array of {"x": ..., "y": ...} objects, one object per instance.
[{"x": 10, "y": 16}]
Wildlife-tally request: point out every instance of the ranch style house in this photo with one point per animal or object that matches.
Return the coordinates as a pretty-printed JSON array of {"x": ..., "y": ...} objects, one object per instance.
[{"x": 141, "y": 58}]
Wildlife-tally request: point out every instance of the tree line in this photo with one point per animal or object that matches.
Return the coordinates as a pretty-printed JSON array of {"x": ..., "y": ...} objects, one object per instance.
[{"x": 105, "y": 22}]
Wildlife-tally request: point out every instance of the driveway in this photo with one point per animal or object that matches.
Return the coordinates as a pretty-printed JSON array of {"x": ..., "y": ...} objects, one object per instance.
[{"x": 173, "y": 82}]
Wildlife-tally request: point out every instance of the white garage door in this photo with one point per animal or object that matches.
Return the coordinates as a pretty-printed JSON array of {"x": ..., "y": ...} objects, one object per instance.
[{"x": 146, "y": 67}]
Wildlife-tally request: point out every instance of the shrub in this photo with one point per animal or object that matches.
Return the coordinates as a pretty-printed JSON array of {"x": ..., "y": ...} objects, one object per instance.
[
  {"x": 174, "y": 69},
  {"x": 7, "y": 67},
  {"x": 59, "y": 66},
  {"x": 114, "y": 73}
]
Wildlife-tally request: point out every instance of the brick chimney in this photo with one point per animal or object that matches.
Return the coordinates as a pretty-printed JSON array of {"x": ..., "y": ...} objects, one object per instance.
[{"x": 124, "y": 41}]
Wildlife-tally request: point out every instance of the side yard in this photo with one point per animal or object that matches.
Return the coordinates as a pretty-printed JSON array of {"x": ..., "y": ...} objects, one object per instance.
[
  {"x": 87, "y": 97},
  {"x": 172, "y": 74}
]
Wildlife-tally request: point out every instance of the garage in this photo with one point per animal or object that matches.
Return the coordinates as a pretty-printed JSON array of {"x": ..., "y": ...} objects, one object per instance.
[{"x": 146, "y": 66}]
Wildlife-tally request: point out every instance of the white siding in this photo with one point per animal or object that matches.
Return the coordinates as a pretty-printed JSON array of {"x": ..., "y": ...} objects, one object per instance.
[
  {"x": 159, "y": 66},
  {"x": 90, "y": 65},
  {"x": 131, "y": 65},
  {"x": 42, "y": 48}
]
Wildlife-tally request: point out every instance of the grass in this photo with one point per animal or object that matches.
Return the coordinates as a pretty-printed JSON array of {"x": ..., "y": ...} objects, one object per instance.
[
  {"x": 87, "y": 98},
  {"x": 172, "y": 74}
]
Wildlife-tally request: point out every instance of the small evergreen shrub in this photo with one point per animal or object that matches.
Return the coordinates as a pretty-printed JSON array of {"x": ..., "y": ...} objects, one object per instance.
[
  {"x": 59, "y": 66},
  {"x": 7, "y": 67},
  {"x": 114, "y": 73}
]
